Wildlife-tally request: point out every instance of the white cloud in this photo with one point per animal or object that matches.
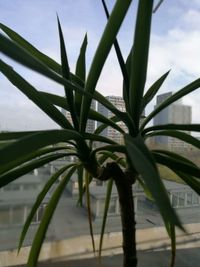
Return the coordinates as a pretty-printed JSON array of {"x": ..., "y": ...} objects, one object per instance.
[
  {"x": 192, "y": 18},
  {"x": 176, "y": 49}
]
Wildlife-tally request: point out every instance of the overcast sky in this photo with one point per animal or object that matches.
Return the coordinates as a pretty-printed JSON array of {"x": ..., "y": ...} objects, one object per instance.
[{"x": 175, "y": 45}]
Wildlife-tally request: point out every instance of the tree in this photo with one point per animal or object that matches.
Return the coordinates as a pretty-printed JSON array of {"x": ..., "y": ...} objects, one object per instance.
[{"x": 24, "y": 151}]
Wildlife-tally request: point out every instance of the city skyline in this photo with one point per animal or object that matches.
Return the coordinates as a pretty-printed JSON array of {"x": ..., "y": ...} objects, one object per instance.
[
  {"x": 175, "y": 45},
  {"x": 177, "y": 112}
]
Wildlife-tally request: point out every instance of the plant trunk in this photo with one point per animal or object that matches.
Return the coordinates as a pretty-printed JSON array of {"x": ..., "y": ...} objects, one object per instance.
[
  {"x": 124, "y": 188},
  {"x": 124, "y": 181}
]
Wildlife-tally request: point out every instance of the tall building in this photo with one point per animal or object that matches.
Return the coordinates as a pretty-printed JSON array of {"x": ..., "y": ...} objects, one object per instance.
[
  {"x": 90, "y": 128},
  {"x": 109, "y": 132},
  {"x": 175, "y": 113}
]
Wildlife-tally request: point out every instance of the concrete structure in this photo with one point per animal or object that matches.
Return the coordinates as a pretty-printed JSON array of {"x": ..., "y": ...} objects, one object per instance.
[
  {"x": 175, "y": 113},
  {"x": 182, "y": 196},
  {"x": 79, "y": 247},
  {"x": 16, "y": 201},
  {"x": 154, "y": 258},
  {"x": 109, "y": 132},
  {"x": 90, "y": 128},
  {"x": 98, "y": 197},
  {"x": 68, "y": 234}
]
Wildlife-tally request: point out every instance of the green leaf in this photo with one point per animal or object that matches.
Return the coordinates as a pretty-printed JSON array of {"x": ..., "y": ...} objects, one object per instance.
[
  {"x": 145, "y": 188},
  {"x": 184, "y": 91},
  {"x": 174, "y": 155},
  {"x": 57, "y": 100},
  {"x": 12, "y": 175},
  {"x": 81, "y": 72},
  {"x": 81, "y": 65},
  {"x": 125, "y": 88},
  {"x": 116, "y": 158},
  {"x": 49, "y": 62},
  {"x": 176, "y": 164},
  {"x": 66, "y": 75},
  {"x": 172, "y": 234},
  {"x": 140, "y": 58},
  {"x": 123, "y": 116},
  {"x": 140, "y": 161},
  {"x": 101, "y": 54},
  {"x": 152, "y": 91},
  {"x": 189, "y": 180},
  {"x": 93, "y": 115},
  {"x": 111, "y": 148},
  {"x": 103, "y": 126},
  {"x": 121, "y": 62},
  {"x": 39, "y": 200},
  {"x": 187, "y": 138},
  {"x": 25, "y": 159},
  {"x": 31, "y": 49},
  {"x": 106, "y": 207},
  {"x": 64, "y": 60},
  {"x": 15, "y": 135},
  {"x": 33, "y": 95},
  {"x": 30, "y": 143},
  {"x": 181, "y": 127},
  {"x": 20, "y": 55},
  {"x": 95, "y": 137},
  {"x": 48, "y": 213}
]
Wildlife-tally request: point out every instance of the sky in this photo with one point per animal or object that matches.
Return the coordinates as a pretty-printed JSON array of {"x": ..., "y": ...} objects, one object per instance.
[{"x": 175, "y": 46}]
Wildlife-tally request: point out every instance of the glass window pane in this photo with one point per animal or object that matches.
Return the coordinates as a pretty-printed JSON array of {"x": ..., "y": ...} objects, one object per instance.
[
  {"x": 189, "y": 198},
  {"x": 18, "y": 215},
  {"x": 174, "y": 199},
  {"x": 4, "y": 216},
  {"x": 195, "y": 199},
  {"x": 181, "y": 199},
  {"x": 112, "y": 206}
]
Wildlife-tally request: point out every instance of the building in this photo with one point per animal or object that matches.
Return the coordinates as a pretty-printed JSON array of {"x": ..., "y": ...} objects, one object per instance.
[
  {"x": 175, "y": 113},
  {"x": 16, "y": 201},
  {"x": 109, "y": 132},
  {"x": 90, "y": 128}
]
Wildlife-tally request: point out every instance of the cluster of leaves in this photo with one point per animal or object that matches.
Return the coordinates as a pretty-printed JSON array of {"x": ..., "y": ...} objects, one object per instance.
[{"x": 21, "y": 152}]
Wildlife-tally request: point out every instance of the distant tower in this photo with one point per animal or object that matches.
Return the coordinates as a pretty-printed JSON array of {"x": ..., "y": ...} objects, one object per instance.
[
  {"x": 109, "y": 132},
  {"x": 90, "y": 128},
  {"x": 175, "y": 113}
]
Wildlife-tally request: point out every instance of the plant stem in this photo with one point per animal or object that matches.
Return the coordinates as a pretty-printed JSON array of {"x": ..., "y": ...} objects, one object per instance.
[{"x": 124, "y": 188}]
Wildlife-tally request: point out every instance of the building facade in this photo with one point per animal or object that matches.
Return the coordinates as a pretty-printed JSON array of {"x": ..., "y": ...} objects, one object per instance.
[
  {"x": 91, "y": 125},
  {"x": 109, "y": 132},
  {"x": 16, "y": 201},
  {"x": 175, "y": 113}
]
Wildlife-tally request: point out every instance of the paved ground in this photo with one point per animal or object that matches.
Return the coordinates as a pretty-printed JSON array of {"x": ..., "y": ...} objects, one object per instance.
[
  {"x": 185, "y": 258},
  {"x": 73, "y": 221}
]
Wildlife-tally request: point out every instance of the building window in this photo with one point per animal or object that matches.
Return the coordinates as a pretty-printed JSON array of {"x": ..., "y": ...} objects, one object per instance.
[
  {"x": 4, "y": 216},
  {"x": 18, "y": 214},
  {"x": 12, "y": 187},
  {"x": 175, "y": 199},
  {"x": 189, "y": 198},
  {"x": 38, "y": 216},
  {"x": 112, "y": 207},
  {"x": 181, "y": 199},
  {"x": 195, "y": 199}
]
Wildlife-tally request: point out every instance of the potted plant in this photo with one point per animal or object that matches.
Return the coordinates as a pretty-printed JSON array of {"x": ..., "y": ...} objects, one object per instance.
[{"x": 24, "y": 151}]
